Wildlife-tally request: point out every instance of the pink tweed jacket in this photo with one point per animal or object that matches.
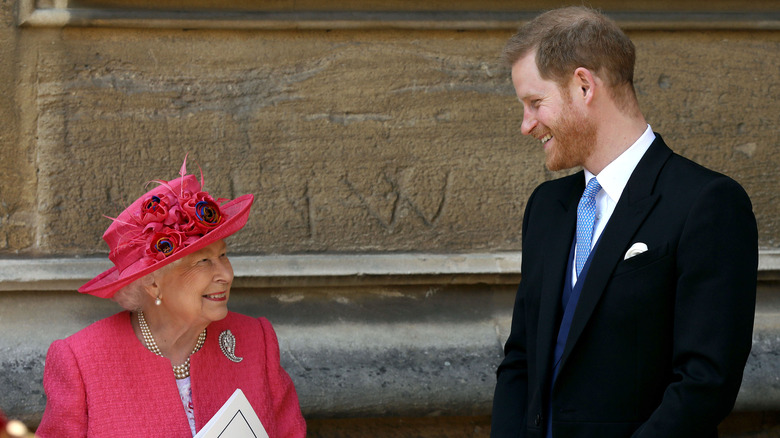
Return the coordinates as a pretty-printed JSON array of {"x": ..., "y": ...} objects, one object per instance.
[{"x": 102, "y": 382}]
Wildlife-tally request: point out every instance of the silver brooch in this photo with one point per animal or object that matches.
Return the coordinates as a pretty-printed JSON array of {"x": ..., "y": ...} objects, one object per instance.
[{"x": 227, "y": 343}]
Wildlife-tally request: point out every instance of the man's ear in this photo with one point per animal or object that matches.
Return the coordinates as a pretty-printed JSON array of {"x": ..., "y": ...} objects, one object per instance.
[{"x": 584, "y": 84}]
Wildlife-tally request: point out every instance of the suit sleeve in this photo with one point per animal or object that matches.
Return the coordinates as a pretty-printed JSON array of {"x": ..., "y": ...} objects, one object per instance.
[
  {"x": 717, "y": 261},
  {"x": 510, "y": 404},
  {"x": 65, "y": 415},
  {"x": 288, "y": 420}
]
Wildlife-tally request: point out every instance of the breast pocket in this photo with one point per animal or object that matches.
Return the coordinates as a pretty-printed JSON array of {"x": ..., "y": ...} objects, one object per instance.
[{"x": 653, "y": 256}]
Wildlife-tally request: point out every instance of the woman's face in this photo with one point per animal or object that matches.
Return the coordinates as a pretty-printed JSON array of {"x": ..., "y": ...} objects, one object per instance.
[{"x": 195, "y": 290}]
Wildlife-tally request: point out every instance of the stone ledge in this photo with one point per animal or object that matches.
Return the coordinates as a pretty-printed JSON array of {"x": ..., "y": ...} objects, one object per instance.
[
  {"x": 290, "y": 270},
  {"x": 316, "y": 270}
]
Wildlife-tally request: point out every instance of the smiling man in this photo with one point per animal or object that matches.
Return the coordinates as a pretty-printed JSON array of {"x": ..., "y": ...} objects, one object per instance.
[{"x": 634, "y": 315}]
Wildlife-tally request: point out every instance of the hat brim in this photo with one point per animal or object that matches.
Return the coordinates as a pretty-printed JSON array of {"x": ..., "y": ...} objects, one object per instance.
[{"x": 109, "y": 282}]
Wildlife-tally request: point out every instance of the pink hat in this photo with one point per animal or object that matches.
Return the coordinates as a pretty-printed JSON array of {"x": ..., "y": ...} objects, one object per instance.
[{"x": 170, "y": 221}]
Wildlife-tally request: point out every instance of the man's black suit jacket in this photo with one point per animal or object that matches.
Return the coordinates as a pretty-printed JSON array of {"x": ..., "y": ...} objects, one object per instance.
[{"x": 659, "y": 341}]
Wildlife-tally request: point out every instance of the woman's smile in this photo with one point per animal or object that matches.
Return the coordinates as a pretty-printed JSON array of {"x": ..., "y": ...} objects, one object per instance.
[{"x": 217, "y": 296}]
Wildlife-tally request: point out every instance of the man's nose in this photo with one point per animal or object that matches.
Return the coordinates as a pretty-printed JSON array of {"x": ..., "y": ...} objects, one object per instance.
[{"x": 529, "y": 122}]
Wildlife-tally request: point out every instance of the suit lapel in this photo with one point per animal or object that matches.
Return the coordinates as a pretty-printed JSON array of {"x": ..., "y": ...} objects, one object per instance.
[
  {"x": 634, "y": 205},
  {"x": 562, "y": 219}
]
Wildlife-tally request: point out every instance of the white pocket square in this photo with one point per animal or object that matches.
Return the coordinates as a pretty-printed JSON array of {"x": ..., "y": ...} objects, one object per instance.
[{"x": 637, "y": 248}]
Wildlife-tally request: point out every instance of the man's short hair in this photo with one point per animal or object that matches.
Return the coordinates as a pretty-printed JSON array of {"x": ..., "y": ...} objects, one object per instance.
[{"x": 568, "y": 38}]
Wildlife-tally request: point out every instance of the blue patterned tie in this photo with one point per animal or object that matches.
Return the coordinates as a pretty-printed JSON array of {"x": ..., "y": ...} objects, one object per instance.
[{"x": 586, "y": 216}]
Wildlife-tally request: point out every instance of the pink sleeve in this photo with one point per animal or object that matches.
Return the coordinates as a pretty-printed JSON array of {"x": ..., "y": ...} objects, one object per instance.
[
  {"x": 66, "y": 408},
  {"x": 289, "y": 421}
]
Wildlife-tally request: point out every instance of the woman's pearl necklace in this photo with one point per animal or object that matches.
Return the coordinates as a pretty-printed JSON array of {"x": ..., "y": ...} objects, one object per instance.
[{"x": 180, "y": 371}]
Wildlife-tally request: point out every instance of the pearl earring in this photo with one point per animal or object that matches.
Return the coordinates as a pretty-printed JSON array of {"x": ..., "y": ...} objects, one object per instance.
[{"x": 158, "y": 301}]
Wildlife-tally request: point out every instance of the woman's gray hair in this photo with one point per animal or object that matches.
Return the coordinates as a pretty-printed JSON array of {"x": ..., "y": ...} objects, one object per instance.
[{"x": 132, "y": 296}]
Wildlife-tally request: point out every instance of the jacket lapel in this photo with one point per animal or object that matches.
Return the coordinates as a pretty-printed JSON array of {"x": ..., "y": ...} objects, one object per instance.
[
  {"x": 634, "y": 205},
  {"x": 562, "y": 219}
]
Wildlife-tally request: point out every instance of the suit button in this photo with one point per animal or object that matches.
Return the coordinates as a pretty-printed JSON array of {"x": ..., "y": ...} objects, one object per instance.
[{"x": 538, "y": 420}]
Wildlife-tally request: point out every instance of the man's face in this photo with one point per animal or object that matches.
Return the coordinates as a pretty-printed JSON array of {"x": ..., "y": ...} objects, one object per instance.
[{"x": 551, "y": 116}]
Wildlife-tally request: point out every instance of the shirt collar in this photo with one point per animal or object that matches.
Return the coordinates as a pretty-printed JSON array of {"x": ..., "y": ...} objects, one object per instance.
[{"x": 614, "y": 177}]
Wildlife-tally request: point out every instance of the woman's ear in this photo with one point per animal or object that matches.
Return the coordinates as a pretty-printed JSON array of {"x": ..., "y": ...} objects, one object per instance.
[{"x": 151, "y": 286}]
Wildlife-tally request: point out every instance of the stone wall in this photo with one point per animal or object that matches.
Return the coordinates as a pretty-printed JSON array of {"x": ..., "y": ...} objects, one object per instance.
[
  {"x": 353, "y": 140},
  {"x": 384, "y": 151}
]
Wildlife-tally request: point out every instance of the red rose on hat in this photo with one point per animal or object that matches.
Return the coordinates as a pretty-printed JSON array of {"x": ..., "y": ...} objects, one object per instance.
[{"x": 203, "y": 213}]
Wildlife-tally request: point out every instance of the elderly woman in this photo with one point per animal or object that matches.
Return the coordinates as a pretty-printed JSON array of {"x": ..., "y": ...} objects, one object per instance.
[{"x": 166, "y": 365}]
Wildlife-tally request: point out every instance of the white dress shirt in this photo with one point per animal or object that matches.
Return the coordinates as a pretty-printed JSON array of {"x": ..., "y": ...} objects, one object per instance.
[{"x": 613, "y": 180}]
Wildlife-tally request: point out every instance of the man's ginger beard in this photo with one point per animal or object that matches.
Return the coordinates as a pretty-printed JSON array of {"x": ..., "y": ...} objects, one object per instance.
[{"x": 574, "y": 136}]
